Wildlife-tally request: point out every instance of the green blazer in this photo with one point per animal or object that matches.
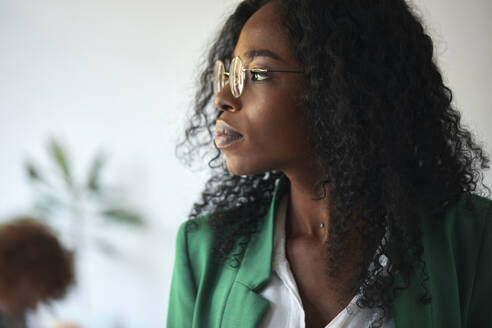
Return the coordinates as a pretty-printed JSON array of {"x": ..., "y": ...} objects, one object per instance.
[{"x": 457, "y": 253}]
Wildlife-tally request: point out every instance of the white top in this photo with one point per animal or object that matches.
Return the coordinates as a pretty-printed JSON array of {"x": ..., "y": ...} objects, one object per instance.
[{"x": 286, "y": 308}]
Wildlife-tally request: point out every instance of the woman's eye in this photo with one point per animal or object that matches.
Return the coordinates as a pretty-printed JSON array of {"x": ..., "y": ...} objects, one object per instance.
[{"x": 259, "y": 76}]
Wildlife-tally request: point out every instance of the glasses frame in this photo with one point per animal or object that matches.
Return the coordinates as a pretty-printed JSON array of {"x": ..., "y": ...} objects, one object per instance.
[{"x": 238, "y": 73}]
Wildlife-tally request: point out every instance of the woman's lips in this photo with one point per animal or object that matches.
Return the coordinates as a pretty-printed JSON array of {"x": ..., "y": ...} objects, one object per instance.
[
  {"x": 224, "y": 141},
  {"x": 222, "y": 128},
  {"x": 226, "y": 136}
]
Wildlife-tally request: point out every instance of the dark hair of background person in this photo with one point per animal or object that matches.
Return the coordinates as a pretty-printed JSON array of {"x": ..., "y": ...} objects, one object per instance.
[
  {"x": 34, "y": 267},
  {"x": 383, "y": 125}
]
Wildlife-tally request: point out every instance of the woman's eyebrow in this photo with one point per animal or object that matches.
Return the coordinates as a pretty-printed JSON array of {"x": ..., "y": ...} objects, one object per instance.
[{"x": 250, "y": 54}]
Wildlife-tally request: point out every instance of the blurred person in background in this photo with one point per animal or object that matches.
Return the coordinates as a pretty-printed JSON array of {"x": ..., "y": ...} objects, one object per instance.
[{"x": 34, "y": 268}]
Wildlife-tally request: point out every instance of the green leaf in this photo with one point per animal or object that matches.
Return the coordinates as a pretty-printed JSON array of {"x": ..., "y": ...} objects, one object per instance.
[
  {"x": 33, "y": 172},
  {"x": 93, "y": 183},
  {"x": 123, "y": 216},
  {"x": 61, "y": 160}
]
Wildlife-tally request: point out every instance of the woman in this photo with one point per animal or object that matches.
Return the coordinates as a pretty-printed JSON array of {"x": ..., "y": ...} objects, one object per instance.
[{"x": 341, "y": 190}]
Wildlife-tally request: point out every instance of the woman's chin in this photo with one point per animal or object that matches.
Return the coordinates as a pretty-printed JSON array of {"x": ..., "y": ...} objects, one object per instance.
[
  {"x": 241, "y": 169},
  {"x": 234, "y": 170}
]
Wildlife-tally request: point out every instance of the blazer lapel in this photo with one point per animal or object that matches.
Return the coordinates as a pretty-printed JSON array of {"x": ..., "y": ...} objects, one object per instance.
[{"x": 245, "y": 306}]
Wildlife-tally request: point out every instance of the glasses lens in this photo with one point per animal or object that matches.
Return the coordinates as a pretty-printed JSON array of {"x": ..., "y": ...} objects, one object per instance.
[
  {"x": 237, "y": 76},
  {"x": 218, "y": 77}
]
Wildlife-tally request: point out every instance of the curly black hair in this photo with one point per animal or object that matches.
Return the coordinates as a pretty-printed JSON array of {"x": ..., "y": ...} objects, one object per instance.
[{"x": 383, "y": 125}]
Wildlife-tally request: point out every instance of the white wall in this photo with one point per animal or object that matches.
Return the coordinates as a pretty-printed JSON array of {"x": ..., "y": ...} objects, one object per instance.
[{"x": 118, "y": 76}]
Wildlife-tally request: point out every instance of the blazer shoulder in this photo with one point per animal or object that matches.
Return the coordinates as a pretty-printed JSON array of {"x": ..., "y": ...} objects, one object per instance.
[
  {"x": 478, "y": 312},
  {"x": 200, "y": 239},
  {"x": 468, "y": 221},
  {"x": 460, "y": 231},
  {"x": 198, "y": 232},
  {"x": 201, "y": 236},
  {"x": 477, "y": 205},
  {"x": 469, "y": 230},
  {"x": 457, "y": 244},
  {"x": 469, "y": 214}
]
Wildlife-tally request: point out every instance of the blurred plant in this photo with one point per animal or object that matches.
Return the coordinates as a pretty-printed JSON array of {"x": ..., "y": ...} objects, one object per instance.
[{"x": 64, "y": 193}]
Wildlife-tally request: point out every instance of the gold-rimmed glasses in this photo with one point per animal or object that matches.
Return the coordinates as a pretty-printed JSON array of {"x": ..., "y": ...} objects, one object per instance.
[{"x": 236, "y": 75}]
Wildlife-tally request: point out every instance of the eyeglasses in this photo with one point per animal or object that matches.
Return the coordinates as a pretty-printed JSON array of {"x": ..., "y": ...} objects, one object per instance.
[{"x": 236, "y": 75}]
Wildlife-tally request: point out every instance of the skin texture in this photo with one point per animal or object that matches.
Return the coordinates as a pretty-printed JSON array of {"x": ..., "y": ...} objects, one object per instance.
[{"x": 269, "y": 117}]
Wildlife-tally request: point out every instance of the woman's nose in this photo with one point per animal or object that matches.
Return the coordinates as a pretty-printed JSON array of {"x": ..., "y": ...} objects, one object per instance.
[{"x": 225, "y": 101}]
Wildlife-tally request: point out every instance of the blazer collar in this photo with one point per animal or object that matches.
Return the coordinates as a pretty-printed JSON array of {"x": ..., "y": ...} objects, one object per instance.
[{"x": 256, "y": 266}]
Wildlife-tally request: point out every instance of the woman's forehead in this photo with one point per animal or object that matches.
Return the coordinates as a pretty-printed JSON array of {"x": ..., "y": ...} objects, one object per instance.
[{"x": 264, "y": 34}]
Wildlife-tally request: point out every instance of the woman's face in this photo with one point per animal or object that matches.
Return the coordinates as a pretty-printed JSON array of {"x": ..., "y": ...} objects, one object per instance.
[{"x": 268, "y": 113}]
